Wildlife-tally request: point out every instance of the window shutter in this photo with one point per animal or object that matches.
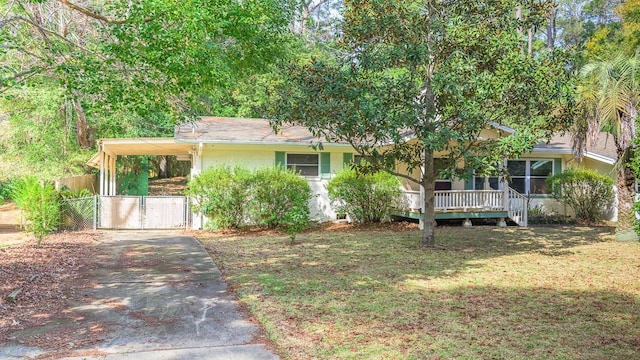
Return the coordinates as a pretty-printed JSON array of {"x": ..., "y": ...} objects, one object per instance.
[
  {"x": 325, "y": 164},
  {"x": 557, "y": 165},
  {"x": 468, "y": 183},
  {"x": 347, "y": 158},
  {"x": 280, "y": 160}
]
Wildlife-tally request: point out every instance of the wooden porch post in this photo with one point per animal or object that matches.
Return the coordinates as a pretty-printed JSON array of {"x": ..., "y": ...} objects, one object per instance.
[
  {"x": 102, "y": 172},
  {"x": 505, "y": 188},
  {"x": 113, "y": 176}
]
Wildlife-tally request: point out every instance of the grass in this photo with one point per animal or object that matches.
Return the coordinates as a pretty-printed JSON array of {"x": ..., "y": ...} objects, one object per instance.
[{"x": 536, "y": 293}]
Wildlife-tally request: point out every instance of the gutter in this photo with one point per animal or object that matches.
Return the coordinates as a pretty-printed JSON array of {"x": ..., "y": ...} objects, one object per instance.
[
  {"x": 228, "y": 142},
  {"x": 588, "y": 154}
]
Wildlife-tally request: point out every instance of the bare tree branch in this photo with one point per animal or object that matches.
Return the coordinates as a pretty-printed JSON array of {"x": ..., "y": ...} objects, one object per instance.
[{"x": 90, "y": 13}]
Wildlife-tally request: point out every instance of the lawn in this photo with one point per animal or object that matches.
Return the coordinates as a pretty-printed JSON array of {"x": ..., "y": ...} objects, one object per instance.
[{"x": 490, "y": 293}]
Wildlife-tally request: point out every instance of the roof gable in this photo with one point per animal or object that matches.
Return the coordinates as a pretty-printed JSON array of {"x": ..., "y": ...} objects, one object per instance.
[{"x": 603, "y": 150}]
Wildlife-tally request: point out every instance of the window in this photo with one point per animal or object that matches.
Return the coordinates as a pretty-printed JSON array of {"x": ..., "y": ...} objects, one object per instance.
[
  {"x": 479, "y": 182},
  {"x": 530, "y": 176},
  {"x": 441, "y": 184},
  {"x": 304, "y": 164}
]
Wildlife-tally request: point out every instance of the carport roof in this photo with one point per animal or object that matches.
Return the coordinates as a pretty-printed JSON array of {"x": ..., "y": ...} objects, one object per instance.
[{"x": 139, "y": 146}]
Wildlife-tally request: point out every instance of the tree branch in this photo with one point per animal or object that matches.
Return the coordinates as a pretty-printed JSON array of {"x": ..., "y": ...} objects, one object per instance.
[
  {"x": 44, "y": 31},
  {"x": 20, "y": 74},
  {"x": 90, "y": 13}
]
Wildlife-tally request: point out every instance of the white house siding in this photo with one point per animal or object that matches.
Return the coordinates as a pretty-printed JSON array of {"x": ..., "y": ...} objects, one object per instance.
[{"x": 252, "y": 158}]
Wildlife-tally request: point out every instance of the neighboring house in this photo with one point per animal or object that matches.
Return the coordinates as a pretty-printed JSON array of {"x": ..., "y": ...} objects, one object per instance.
[{"x": 253, "y": 143}]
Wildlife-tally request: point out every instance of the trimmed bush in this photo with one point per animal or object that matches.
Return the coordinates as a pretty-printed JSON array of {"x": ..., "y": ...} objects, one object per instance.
[
  {"x": 40, "y": 204},
  {"x": 589, "y": 193},
  {"x": 270, "y": 197},
  {"x": 364, "y": 197},
  {"x": 279, "y": 198},
  {"x": 221, "y": 194}
]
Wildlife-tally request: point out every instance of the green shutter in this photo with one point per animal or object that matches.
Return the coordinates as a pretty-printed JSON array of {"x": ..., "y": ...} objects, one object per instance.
[
  {"x": 557, "y": 166},
  {"x": 280, "y": 159},
  {"x": 347, "y": 158},
  {"x": 325, "y": 164},
  {"x": 468, "y": 183}
]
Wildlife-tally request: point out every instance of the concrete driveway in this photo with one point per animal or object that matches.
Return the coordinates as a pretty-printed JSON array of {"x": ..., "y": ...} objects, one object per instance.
[{"x": 155, "y": 295}]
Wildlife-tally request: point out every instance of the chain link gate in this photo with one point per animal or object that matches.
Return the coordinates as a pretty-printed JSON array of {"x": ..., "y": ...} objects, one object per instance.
[
  {"x": 80, "y": 213},
  {"x": 126, "y": 212}
]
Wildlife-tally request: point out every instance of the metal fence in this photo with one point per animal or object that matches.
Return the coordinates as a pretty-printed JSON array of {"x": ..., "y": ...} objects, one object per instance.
[
  {"x": 80, "y": 213},
  {"x": 143, "y": 212},
  {"x": 126, "y": 212}
]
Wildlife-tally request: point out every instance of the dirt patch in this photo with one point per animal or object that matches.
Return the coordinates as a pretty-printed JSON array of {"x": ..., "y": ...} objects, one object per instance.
[
  {"x": 165, "y": 187},
  {"x": 48, "y": 276},
  {"x": 9, "y": 214}
]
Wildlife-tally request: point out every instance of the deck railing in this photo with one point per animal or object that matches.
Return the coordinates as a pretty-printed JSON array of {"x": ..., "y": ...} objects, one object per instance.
[
  {"x": 473, "y": 200},
  {"x": 469, "y": 199},
  {"x": 458, "y": 199}
]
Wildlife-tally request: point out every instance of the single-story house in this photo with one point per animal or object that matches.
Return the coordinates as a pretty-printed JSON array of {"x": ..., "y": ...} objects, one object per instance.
[{"x": 253, "y": 143}]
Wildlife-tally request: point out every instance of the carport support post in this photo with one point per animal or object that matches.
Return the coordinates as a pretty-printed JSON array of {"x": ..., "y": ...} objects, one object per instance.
[
  {"x": 95, "y": 212},
  {"x": 102, "y": 155}
]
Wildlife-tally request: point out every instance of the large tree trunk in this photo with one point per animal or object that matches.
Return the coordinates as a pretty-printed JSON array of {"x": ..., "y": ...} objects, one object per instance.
[
  {"x": 625, "y": 182},
  {"x": 625, "y": 179},
  {"x": 164, "y": 169},
  {"x": 82, "y": 134},
  {"x": 551, "y": 29},
  {"x": 429, "y": 184}
]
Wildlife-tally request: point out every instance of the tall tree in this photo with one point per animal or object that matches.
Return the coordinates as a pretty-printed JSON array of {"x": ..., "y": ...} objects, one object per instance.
[
  {"x": 610, "y": 94},
  {"x": 135, "y": 68},
  {"x": 435, "y": 72}
]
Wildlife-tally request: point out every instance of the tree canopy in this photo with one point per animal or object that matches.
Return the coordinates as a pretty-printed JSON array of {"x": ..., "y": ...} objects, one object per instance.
[
  {"x": 439, "y": 72},
  {"x": 126, "y": 68}
]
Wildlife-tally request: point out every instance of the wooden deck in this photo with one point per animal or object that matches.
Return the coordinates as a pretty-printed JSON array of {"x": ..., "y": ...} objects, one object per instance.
[{"x": 468, "y": 204}]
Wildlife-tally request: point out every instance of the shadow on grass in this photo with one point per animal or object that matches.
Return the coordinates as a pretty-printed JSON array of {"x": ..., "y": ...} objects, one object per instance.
[
  {"x": 394, "y": 254},
  {"x": 492, "y": 323},
  {"x": 485, "y": 295}
]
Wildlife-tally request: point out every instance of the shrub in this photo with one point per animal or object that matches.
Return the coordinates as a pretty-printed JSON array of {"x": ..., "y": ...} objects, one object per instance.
[
  {"x": 280, "y": 198},
  {"x": 364, "y": 197},
  {"x": 538, "y": 215},
  {"x": 589, "y": 193},
  {"x": 270, "y": 197},
  {"x": 40, "y": 204},
  {"x": 5, "y": 190},
  {"x": 221, "y": 194}
]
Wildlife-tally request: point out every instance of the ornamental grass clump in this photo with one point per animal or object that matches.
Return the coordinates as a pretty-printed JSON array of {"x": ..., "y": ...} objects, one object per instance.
[{"x": 40, "y": 204}]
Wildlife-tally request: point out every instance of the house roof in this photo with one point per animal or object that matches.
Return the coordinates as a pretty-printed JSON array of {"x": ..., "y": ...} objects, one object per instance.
[
  {"x": 241, "y": 131},
  {"x": 603, "y": 150},
  {"x": 255, "y": 131}
]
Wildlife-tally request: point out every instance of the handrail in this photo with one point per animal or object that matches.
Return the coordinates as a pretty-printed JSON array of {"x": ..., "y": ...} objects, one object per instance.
[{"x": 517, "y": 207}]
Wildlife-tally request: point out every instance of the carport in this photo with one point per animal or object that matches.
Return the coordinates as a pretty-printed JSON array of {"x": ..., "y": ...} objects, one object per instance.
[
  {"x": 110, "y": 149},
  {"x": 116, "y": 211}
]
